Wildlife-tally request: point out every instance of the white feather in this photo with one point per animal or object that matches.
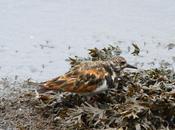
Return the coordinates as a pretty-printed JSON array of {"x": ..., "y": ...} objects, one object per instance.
[{"x": 102, "y": 87}]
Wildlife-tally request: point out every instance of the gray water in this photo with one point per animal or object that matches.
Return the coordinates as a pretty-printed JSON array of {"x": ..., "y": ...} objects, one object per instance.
[{"x": 38, "y": 35}]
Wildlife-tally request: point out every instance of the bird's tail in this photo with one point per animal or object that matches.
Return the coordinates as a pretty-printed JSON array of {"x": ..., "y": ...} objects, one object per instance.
[{"x": 54, "y": 84}]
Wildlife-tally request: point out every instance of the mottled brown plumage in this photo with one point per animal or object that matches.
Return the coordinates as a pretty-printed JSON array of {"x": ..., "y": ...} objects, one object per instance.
[{"x": 88, "y": 77}]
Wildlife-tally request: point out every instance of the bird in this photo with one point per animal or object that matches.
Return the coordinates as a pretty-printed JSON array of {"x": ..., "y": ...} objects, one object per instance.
[{"x": 89, "y": 77}]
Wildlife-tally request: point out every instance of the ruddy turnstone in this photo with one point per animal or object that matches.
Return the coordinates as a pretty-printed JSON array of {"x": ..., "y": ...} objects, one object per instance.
[{"x": 89, "y": 77}]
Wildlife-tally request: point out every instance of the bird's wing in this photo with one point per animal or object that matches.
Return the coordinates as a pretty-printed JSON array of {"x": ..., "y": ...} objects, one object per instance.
[{"x": 80, "y": 81}]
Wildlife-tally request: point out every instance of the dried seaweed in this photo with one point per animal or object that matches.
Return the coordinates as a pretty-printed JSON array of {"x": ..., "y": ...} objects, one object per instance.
[
  {"x": 142, "y": 100},
  {"x": 136, "y": 49},
  {"x": 97, "y": 54}
]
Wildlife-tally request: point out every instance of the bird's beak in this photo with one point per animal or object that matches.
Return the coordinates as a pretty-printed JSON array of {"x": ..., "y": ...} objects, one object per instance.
[{"x": 130, "y": 66}]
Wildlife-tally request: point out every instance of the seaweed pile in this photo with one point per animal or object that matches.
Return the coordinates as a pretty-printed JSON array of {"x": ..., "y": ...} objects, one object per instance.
[{"x": 142, "y": 100}]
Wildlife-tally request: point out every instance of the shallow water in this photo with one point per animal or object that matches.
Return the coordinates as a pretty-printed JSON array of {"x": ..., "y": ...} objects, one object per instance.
[{"x": 38, "y": 35}]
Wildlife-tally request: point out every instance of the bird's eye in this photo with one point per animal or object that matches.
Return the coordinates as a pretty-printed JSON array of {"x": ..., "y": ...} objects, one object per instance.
[{"x": 123, "y": 62}]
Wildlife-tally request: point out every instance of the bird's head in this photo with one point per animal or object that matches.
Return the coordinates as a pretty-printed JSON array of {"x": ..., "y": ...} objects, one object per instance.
[{"x": 120, "y": 62}]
